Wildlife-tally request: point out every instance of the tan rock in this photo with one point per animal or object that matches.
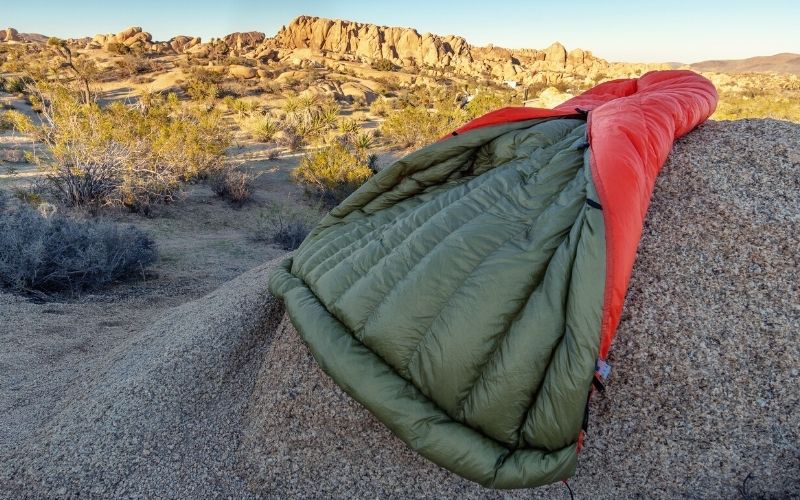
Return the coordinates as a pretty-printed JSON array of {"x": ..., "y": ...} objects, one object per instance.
[
  {"x": 240, "y": 41},
  {"x": 357, "y": 91},
  {"x": 244, "y": 72},
  {"x": 576, "y": 57},
  {"x": 369, "y": 42},
  {"x": 549, "y": 98},
  {"x": 9, "y": 35},
  {"x": 556, "y": 54},
  {"x": 127, "y": 33}
]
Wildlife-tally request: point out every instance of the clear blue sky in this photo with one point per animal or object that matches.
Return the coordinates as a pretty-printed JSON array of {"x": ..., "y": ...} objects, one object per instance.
[{"x": 685, "y": 31}]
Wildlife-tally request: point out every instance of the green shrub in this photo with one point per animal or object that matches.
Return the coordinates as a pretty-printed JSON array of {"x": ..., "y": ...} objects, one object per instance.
[
  {"x": 348, "y": 126},
  {"x": 310, "y": 116},
  {"x": 333, "y": 172},
  {"x": 261, "y": 128},
  {"x": 483, "y": 103},
  {"x": 117, "y": 48},
  {"x": 417, "y": 126},
  {"x": 202, "y": 91},
  {"x": 55, "y": 253},
  {"x": 12, "y": 85},
  {"x": 383, "y": 65}
]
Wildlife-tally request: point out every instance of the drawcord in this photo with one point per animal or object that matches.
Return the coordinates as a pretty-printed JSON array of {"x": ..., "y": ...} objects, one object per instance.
[{"x": 569, "y": 488}]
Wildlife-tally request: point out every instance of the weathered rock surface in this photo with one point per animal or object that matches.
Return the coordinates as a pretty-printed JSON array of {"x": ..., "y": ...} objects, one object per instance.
[
  {"x": 244, "y": 72},
  {"x": 244, "y": 40},
  {"x": 9, "y": 35},
  {"x": 212, "y": 400}
]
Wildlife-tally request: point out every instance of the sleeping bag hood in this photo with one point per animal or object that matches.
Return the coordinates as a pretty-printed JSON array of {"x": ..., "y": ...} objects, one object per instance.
[{"x": 466, "y": 293}]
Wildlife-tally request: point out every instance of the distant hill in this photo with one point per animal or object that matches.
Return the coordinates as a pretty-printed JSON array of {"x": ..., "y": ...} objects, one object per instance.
[{"x": 779, "y": 63}]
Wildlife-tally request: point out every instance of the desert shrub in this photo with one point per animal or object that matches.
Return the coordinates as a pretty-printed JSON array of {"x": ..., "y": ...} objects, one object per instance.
[
  {"x": 734, "y": 106},
  {"x": 333, "y": 172},
  {"x": 362, "y": 141},
  {"x": 417, "y": 126},
  {"x": 290, "y": 138},
  {"x": 381, "y": 106},
  {"x": 12, "y": 85},
  {"x": 205, "y": 75},
  {"x": 261, "y": 128},
  {"x": 133, "y": 64},
  {"x": 383, "y": 65},
  {"x": 122, "y": 155},
  {"x": 348, "y": 126},
  {"x": 117, "y": 48},
  {"x": 232, "y": 185},
  {"x": 237, "y": 88},
  {"x": 484, "y": 102},
  {"x": 202, "y": 91},
  {"x": 5, "y": 121},
  {"x": 241, "y": 107},
  {"x": 55, "y": 253},
  {"x": 310, "y": 116},
  {"x": 286, "y": 225}
]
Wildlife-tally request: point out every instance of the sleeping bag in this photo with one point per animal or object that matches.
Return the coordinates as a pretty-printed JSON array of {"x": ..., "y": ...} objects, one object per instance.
[{"x": 465, "y": 294}]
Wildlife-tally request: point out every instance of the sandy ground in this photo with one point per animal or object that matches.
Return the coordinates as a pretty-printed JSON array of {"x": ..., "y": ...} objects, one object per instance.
[{"x": 145, "y": 395}]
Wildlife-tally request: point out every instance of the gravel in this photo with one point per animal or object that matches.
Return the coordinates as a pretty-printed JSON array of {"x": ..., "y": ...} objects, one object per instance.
[{"x": 703, "y": 400}]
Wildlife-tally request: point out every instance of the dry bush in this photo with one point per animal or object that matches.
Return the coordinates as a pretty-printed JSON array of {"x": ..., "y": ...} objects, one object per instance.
[
  {"x": 332, "y": 173},
  {"x": 233, "y": 185},
  {"x": 132, "y": 64},
  {"x": 121, "y": 155},
  {"x": 381, "y": 106},
  {"x": 286, "y": 225},
  {"x": 290, "y": 138},
  {"x": 53, "y": 253}
]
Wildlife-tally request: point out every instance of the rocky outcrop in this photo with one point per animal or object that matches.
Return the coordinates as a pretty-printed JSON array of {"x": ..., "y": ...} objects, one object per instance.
[
  {"x": 132, "y": 38},
  {"x": 403, "y": 46},
  {"x": 240, "y": 41},
  {"x": 9, "y": 35},
  {"x": 556, "y": 54},
  {"x": 182, "y": 43}
]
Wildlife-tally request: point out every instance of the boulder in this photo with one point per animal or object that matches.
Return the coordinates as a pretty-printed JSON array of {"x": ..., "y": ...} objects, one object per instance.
[
  {"x": 127, "y": 33},
  {"x": 243, "y": 72},
  {"x": 357, "y": 91},
  {"x": 9, "y": 35},
  {"x": 575, "y": 57},
  {"x": 556, "y": 54},
  {"x": 244, "y": 40}
]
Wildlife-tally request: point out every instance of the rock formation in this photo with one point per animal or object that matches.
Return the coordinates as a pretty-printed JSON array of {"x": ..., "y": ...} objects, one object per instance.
[
  {"x": 239, "y": 41},
  {"x": 9, "y": 35},
  {"x": 131, "y": 37},
  {"x": 403, "y": 46}
]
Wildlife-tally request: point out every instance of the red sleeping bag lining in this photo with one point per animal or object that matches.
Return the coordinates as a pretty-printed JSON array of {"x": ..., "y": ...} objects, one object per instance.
[{"x": 632, "y": 124}]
